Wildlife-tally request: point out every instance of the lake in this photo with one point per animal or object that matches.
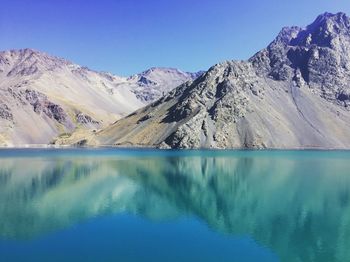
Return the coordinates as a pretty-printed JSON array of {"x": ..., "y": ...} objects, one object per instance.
[{"x": 152, "y": 205}]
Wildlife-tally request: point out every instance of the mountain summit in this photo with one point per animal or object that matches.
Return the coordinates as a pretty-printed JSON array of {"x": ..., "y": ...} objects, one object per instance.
[
  {"x": 293, "y": 94},
  {"x": 317, "y": 56}
]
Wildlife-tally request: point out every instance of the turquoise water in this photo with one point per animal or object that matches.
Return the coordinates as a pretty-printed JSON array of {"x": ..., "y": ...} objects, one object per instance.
[{"x": 146, "y": 205}]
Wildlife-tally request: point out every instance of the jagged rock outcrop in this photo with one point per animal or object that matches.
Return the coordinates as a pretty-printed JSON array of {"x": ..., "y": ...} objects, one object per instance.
[
  {"x": 293, "y": 94},
  {"x": 316, "y": 56},
  {"x": 5, "y": 112},
  {"x": 41, "y": 104},
  {"x": 85, "y": 119}
]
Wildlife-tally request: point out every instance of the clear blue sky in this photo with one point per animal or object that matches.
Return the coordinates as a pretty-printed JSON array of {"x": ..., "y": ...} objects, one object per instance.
[{"x": 128, "y": 36}]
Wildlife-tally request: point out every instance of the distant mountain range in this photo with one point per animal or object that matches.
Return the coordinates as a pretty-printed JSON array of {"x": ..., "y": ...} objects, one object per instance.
[
  {"x": 293, "y": 94},
  {"x": 155, "y": 82},
  {"x": 43, "y": 97}
]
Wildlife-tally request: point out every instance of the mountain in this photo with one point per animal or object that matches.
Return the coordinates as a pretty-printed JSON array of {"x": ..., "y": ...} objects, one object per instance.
[
  {"x": 42, "y": 97},
  {"x": 293, "y": 94},
  {"x": 155, "y": 82}
]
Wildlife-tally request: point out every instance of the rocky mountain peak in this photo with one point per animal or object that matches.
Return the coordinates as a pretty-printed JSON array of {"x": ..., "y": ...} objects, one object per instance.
[
  {"x": 316, "y": 57},
  {"x": 324, "y": 30},
  {"x": 32, "y": 55},
  {"x": 287, "y": 34},
  {"x": 321, "y": 32},
  {"x": 326, "y": 20},
  {"x": 24, "y": 62}
]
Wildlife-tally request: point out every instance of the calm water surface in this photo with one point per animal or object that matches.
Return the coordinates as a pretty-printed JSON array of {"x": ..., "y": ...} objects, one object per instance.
[{"x": 144, "y": 205}]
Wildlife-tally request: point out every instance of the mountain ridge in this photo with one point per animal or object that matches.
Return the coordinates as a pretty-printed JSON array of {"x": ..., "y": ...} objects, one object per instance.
[{"x": 292, "y": 94}]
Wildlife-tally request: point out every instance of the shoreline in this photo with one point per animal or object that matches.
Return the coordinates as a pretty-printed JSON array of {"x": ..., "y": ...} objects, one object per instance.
[{"x": 144, "y": 147}]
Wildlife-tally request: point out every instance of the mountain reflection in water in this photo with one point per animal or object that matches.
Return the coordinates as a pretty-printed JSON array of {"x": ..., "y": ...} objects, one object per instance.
[{"x": 294, "y": 203}]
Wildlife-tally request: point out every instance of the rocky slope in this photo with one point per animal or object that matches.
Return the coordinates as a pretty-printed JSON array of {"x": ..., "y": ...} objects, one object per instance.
[
  {"x": 42, "y": 97},
  {"x": 293, "y": 94}
]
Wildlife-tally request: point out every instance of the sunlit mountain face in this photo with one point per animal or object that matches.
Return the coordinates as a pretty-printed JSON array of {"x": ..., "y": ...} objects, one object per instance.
[{"x": 294, "y": 203}]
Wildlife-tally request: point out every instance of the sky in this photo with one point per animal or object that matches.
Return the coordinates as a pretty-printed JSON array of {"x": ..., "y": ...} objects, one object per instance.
[{"x": 125, "y": 37}]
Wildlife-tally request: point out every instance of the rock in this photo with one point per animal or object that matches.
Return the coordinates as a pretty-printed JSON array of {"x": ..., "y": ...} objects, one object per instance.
[
  {"x": 81, "y": 143},
  {"x": 5, "y": 112},
  {"x": 85, "y": 119},
  {"x": 144, "y": 118},
  {"x": 164, "y": 145},
  {"x": 41, "y": 104}
]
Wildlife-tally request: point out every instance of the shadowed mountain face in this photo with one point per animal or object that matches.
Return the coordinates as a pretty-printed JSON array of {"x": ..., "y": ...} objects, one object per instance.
[
  {"x": 295, "y": 203},
  {"x": 293, "y": 94}
]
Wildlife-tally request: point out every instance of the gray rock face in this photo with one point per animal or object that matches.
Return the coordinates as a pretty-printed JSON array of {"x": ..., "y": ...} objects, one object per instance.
[
  {"x": 41, "y": 104},
  {"x": 86, "y": 119},
  {"x": 316, "y": 56},
  {"x": 5, "y": 112},
  {"x": 38, "y": 102},
  {"x": 293, "y": 94}
]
